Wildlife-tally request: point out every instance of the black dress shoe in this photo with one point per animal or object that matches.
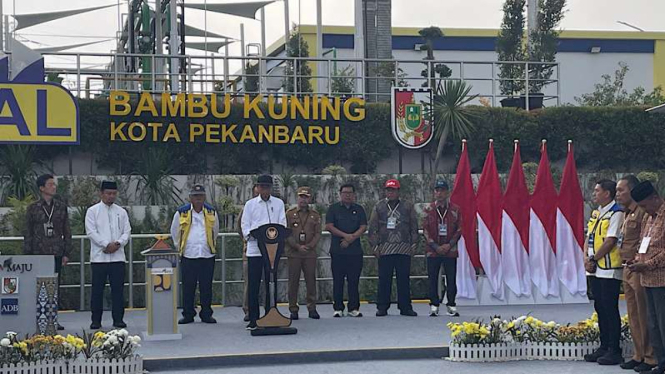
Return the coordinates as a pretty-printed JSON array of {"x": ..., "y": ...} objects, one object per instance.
[
  {"x": 593, "y": 357},
  {"x": 313, "y": 314},
  {"x": 251, "y": 326},
  {"x": 294, "y": 316},
  {"x": 59, "y": 327},
  {"x": 208, "y": 320},
  {"x": 644, "y": 367},
  {"x": 381, "y": 313},
  {"x": 655, "y": 370},
  {"x": 119, "y": 324},
  {"x": 409, "y": 313},
  {"x": 95, "y": 326},
  {"x": 632, "y": 364},
  {"x": 246, "y": 319},
  {"x": 185, "y": 320},
  {"x": 610, "y": 358}
]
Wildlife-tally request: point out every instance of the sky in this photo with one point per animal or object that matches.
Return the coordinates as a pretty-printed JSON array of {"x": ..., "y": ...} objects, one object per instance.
[{"x": 580, "y": 15}]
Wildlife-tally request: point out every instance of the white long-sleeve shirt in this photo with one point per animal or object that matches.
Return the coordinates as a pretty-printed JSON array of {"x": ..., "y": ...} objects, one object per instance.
[
  {"x": 197, "y": 241},
  {"x": 106, "y": 224},
  {"x": 257, "y": 213}
]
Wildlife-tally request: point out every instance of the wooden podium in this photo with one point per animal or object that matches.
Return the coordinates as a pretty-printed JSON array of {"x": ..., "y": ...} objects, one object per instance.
[{"x": 271, "y": 239}]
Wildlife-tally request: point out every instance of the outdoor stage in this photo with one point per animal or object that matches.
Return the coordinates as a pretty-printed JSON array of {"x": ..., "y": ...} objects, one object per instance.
[{"x": 329, "y": 339}]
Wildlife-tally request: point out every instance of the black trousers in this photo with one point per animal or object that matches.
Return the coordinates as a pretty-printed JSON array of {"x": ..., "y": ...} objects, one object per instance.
[
  {"x": 58, "y": 271},
  {"x": 346, "y": 267},
  {"x": 401, "y": 266},
  {"x": 656, "y": 321},
  {"x": 197, "y": 271},
  {"x": 606, "y": 304},
  {"x": 114, "y": 272},
  {"x": 256, "y": 269},
  {"x": 450, "y": 267}
]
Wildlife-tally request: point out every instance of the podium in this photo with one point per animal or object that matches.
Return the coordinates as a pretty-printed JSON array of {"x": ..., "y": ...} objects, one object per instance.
[
  {"x": 161, "y": 279},
  {"x": 28, "y": 294},
  {"x": 271, "y": 239}
]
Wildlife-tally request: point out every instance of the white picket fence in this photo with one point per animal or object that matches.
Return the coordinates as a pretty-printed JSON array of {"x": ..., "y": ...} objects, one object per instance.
[
  {"x": 131, "y": 365},
  {"x": 527, "y": 351}
]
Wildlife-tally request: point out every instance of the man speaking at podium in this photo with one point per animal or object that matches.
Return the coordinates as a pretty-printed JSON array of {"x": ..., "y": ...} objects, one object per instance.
[{"x": 258, "y": 211}]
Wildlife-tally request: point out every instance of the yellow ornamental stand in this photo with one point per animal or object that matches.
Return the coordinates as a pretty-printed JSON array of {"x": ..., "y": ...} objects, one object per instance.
[{"x": 161, "y": 275}]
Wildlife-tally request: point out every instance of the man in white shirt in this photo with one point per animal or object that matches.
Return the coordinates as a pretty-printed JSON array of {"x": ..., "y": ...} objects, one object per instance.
[
  {"x": 194, "y": 231},
  {"x": 604, "y": 270},
  {"x": 258, "y": 211},
  {"x": 107, "y": 226}
]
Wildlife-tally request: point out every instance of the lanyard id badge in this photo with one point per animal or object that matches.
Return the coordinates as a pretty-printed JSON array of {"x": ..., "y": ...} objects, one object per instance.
[
  {"x": 302, "y": 237},
  {"x": 392, "y": 220},
  {"x": 48, "y": 226},
  {"x": 644, "y": 245},
  {"x": 443, "y": 229},
  {"x": 392, "y": 223},
  {"x": 48, "y": 229}
]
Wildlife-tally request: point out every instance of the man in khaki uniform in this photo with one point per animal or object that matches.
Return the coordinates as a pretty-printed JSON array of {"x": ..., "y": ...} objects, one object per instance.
[
  {"x": 305, "y": 225},
  {"x": 636, "y": 301}
]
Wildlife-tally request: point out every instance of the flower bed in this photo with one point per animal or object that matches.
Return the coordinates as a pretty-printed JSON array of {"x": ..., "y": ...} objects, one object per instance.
[
  {"x": 111, "y": 352},
  {"x": 527, "y": 338}
]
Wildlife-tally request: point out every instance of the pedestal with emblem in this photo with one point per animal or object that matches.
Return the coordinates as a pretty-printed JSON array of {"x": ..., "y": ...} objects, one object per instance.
[
  {"x": 271, "y": 239},
  {"x": 161, "y": 292},
  {"x": 28, "y": 295}
]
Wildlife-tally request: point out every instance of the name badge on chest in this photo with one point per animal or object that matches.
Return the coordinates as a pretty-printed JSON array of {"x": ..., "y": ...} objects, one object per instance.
[
  {"x": 302, "y": 237},
  {"x": 443, "y": 229},
  {"x": 392, "y": 223},
  {"x": 48, "y": 229}
]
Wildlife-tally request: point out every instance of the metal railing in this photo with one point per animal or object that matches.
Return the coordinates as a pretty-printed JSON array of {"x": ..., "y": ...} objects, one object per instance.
[
  {"x": 91, "y": 75},
  {"x": 221, "y": 259}
]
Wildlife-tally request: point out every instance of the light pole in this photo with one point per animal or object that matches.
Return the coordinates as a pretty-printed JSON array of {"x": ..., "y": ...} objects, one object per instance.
[{"x": 631, "y": 26}]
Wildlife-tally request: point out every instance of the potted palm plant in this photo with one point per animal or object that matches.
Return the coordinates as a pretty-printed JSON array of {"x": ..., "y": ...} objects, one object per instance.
[{"x": 510, "y": 48}]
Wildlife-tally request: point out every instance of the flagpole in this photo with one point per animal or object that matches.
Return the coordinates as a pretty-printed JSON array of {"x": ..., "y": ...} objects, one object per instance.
[
  {"x": 570, "y": 145},
  {"x": 517, "y": 143},
  {"x": 463, "y": 144}
]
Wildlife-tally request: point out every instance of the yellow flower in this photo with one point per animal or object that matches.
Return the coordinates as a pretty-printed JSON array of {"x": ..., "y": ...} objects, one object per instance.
[
  {"x": 529, "y": 320},
  {"x": 510, "y": 325},
  {"x": 454, "y": 334}
]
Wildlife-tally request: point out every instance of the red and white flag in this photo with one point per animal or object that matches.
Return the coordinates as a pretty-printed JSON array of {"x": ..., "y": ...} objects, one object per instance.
[
  {"x": 489, "y": 223},
  {"x": 542, "y": 230},
  {"x": 515, "y": 230},
  {"x": 570, "y": 229},
  {"x": 464, "y": 196}
]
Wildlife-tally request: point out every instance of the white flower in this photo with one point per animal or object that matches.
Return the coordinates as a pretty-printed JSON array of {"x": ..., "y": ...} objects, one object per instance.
[
  {"x": 496, "y": 321},
  {"x": 551, "y": 324},
  {"x": 135, "y": 340},
  {"x": 11, "y": 334},
  {"x": 5, "y": 342},
  {"x": 112, "y": 340},
  {"x": 123, "y": 332}
]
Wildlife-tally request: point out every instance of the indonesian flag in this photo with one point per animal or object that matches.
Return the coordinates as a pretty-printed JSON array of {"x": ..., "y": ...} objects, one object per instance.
[
  {"x": 542, "y": 230},
  {"x": 464, "y": 196},
  {"x": 570, "y": 229},
  {"x": 489, "y": 223},
  {"x": 515, "y": 230}
]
